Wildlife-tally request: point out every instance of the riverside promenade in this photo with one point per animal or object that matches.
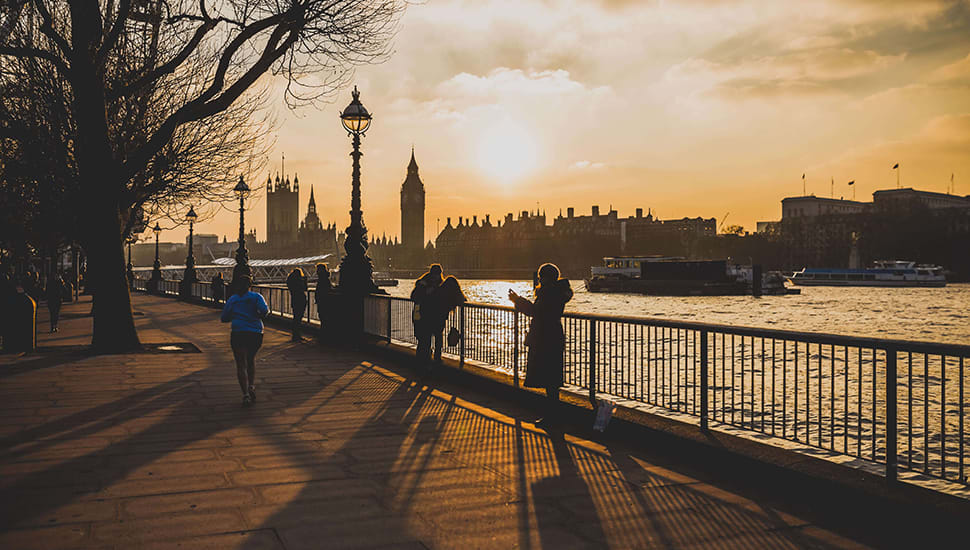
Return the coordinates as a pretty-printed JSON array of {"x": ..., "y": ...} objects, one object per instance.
[{"x": 343, "y": 449}]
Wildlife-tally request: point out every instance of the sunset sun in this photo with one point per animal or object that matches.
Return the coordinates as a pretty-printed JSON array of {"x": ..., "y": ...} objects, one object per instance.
[{"x": 506, "y": 152}]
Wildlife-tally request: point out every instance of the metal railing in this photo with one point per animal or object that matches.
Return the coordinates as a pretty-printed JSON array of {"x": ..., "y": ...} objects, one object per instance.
[{"x": 891, "y": 402}]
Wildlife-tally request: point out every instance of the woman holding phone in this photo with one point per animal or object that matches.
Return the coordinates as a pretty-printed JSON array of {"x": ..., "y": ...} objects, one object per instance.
[{"x": 545, "y": 339}]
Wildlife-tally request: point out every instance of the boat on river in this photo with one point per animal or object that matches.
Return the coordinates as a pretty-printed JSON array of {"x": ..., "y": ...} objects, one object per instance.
[
  {"x": 676, "y": 276},
  {"x": 883, "y": 273}
]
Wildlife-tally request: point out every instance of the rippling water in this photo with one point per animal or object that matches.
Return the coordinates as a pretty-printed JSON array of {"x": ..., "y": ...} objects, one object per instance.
[{"x": 925, "y": 314}]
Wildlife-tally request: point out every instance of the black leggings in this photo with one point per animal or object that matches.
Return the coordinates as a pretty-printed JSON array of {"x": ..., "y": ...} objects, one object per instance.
[{"x": 245, "y": 344}]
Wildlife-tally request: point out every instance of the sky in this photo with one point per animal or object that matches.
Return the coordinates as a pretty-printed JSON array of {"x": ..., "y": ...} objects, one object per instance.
[{"x": 711, "y": 108}]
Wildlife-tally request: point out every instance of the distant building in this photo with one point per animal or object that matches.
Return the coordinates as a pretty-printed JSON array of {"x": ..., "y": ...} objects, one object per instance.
[
  {"x": 908, "y": 197},
  {"x": 898, "y": 224},
  {"x": 572, "y": 242},
  {"x": 282, "y": 211},
  {"x": 286, "y": 235},
  {"x": 812, "y": 206}
]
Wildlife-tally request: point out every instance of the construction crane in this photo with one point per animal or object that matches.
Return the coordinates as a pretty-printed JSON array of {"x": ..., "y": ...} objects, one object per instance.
[{"x": 720, "y": 228}]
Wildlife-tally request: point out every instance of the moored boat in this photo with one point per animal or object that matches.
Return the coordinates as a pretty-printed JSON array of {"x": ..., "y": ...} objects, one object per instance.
[
  {"x": 894, "y": 273},
  {"x": 675, "y": 276}
]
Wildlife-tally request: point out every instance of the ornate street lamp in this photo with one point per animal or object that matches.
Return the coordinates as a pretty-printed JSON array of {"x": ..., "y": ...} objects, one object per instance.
[
  {"x": 190, "y": 217},
  {"x": 131, "y": 269},
  {"x": 157, "y": 266},
  {"x": 188, "y": 276},
  {"x": 356, "y": 269},
  {"x": 242, "y": 255}
]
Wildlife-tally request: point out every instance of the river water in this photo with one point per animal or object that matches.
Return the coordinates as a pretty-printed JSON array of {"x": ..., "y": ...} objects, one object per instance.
[
  {"x": 827, "y": 396},
  {"x": 923, "y": 314}
]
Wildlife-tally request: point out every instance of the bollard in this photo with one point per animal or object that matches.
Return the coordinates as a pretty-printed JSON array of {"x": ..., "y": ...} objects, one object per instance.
[{"x": 21, "y": 327}]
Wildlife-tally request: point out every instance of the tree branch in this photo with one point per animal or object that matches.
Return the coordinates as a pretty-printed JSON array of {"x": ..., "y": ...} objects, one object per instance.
[
  {"x": 203, "y": 105},
  {"x": 35, "y": 53},
  {"x": 165, "y": 68},
  {"x": 48, "y": 29},
  {"x": 123, "y": 9}
]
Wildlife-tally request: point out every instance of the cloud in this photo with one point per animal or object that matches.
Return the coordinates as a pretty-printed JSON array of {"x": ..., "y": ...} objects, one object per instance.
[
  {"x": 954, "y": 73},
  {"x": 586, "y": 165}
]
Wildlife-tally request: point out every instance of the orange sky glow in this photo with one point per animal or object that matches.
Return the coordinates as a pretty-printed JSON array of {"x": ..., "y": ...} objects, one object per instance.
[{"x": 689, "y": 108}]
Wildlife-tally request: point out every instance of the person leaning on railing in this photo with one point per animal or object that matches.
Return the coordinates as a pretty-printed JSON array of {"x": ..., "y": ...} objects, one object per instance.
[
  {"x": 434, "y": 298},
  {"x": 297, "y": 285}
]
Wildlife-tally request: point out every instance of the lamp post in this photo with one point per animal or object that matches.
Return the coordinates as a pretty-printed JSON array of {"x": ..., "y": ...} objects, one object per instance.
[
  {"x": 131, "y": 269},
  {"x": 157, "y": 266},
  {"x": 242, "y": 255},
  {"x": 189, "y": 275},
  {"x": 356, "y": 269}
]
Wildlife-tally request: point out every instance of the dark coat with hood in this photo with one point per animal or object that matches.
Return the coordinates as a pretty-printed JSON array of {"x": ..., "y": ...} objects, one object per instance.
[
  {"x": 297, "y": 285},
  {"x": 545, "y": 338},
  {"x": 435, "y": 300}
]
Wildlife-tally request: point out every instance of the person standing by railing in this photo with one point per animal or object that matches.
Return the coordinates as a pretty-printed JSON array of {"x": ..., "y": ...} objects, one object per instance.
[
  {"x": 246, "y": 310},
  {"x": 322, "y": 296},
  {"x": 434, "y": 298},
  {"x": 297, "y": 285},
  {"x": 545, "y": 338},
  {"x": 218, "y": 288}
]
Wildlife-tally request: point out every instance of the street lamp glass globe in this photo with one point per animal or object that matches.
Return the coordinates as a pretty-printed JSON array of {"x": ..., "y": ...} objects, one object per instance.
[
  {"x": 157, "y": 230},
  {"x": 355, "y": 117},
  {"x": 191, "y": 216},
  {"x": 241, "y": 189}
]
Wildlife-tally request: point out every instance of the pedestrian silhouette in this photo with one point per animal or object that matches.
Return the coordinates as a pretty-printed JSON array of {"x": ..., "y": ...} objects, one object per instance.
[
  {"x": 218, "y": 288},
  {"x": 434, "y": 298},
  {"x": 55, "y": 294},
  {"x": 297, "y": 284},
  {"x": 245, "y": 310},
  {"x": 323, "y": 297},
  {"x": 545, "y": 338}
]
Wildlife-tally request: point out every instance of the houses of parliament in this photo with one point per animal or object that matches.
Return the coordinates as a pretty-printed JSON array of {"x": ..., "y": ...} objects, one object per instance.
[{"x": 289, "y": 237}]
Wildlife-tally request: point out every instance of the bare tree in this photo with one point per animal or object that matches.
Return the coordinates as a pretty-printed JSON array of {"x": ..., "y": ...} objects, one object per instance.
[{"x": 146, "y": 79}]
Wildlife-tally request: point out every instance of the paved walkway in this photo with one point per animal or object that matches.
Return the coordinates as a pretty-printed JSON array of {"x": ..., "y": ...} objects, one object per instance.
[{"x": 153, "y": 450}]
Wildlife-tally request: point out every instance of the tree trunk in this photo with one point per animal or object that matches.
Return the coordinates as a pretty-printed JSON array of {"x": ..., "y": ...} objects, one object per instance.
[
  {"x": 114, "y": 326},
  {"x": 98, "y": 171}
]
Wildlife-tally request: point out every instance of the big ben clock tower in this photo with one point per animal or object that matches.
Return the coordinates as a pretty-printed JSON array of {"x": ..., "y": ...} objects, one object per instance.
[{"x": 412, "y": 209}]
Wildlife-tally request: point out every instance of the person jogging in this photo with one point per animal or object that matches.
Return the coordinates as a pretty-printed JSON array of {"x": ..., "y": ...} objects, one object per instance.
[{"x": 246, "y": 310}]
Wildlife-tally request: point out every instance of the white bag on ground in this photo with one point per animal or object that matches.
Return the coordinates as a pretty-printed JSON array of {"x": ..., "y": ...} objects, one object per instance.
[{"x": 604, "y": 412}]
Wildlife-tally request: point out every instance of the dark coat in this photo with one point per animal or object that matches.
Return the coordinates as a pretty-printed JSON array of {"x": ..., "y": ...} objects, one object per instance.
[
  {"x": 436, "y": 301},
  {"x": 322, "y": 293},
  {"x": 218, "y": 287},
  {"x": 298, "y": 287},
  {"x": 545, "y": 338},
  {"x": 55, "y": 292}
]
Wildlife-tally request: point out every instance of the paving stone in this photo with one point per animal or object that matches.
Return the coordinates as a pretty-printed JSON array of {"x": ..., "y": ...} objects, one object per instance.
[
  {"x": 192, "y": 501},
  {"x": 177, "y": 526}
]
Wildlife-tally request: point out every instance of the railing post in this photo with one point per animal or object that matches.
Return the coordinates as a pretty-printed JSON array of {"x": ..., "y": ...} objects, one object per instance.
[
  {"x": 515, "y": 348},
  {"x": 592, "y": 362},
  {"x": 461, "y": 341},
  {"x": 704, "y": 381},
  {"x": 390, "y": 325},
  {"x": 891, "y": 415}
]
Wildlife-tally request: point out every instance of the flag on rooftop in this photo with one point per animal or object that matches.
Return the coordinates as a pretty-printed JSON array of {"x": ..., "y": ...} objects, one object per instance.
[
  {"x": 895, "y": 166},
  {"x": 852, "y": 182}
]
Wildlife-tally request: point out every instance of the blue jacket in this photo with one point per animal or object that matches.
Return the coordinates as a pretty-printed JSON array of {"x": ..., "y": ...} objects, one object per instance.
[{"x": 245, "y": 312}]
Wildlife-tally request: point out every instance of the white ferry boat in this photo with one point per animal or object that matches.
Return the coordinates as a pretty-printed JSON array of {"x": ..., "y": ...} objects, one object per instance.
[{"x": 883, "y": 273}]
